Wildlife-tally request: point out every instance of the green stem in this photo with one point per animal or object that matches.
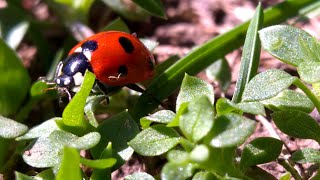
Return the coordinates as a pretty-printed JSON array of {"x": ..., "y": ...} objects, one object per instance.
[
  {"x": 285, "y": 164},
  {"x": 308, "y": 92}
]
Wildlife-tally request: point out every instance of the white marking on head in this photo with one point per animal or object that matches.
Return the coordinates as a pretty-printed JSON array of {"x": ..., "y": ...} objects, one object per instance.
[
  {"x": 58, "y": 81},
  {"x": 79, "y": 50},
  {"x": 78, "y": 78},
  {"x": 88, "y": 54},
  {"x": 66, "y": 82}
]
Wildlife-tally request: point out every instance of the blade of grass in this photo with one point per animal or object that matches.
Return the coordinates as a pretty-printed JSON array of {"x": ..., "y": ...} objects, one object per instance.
[
  {"x": 250, "y": 55},
  {"x": 206, "y": 54}
]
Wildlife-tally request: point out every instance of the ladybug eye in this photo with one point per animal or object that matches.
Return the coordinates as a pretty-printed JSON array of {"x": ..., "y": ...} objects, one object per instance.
[
  {"x": 126, "y": 44},
  {"x": 123, "y": 70}
]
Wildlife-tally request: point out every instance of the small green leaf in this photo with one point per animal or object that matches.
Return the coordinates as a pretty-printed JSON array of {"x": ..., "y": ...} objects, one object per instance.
[
  {"x": 230, "y": 130},
  {"x": 15, "y": 80},
  {"x": 197, "y": 120},
  {"x": 43, "y": 153},
  {"x": 267, "y": 84},
  {"x": 192, "y": 88},
  {"x": 297, "y": 124},
  {"x": 259, "y": 151},
  {"x": 73, "y": 115},
  {"x": 11, "y": 129},
  {"x": 117, "y": 25},
  {"x": 163, "y": 116},
  {"x": 118, "y": 130},
  {"x": 256, "y": 172},
  {"x": 46, "y": 175},
  {"x": 20, "y": 176},
  {"x": 175, "y": 121},
  {"x": 220, "y": 71},
  {"x": 178, "y": 156},
  {"x": 173, "y": 171},
  {"x": 67, "y": 139},
  {"x": 98, "y": 163},
  {"x": 90, "y": 107},
  {"x": 289, "y": 99},
  {"x": 70, "y": 168},
  {"x": 290, "y": 45},
  {"x": 155, "y": 140},
  {"x": 139, "y": 176},
  {"x": 204, "y": 175},
  {"x": 309, "y": 71},
  {"x": 154, "y": 7},
  {"x": 307, "y": 155},
  {"x": 225, "y": 106},
  {"x": 286, "y": 176},
  {"x": 98, "y": 174},
  {"x": 42, "y": 130},
  {"x": 250, "y": 56}
]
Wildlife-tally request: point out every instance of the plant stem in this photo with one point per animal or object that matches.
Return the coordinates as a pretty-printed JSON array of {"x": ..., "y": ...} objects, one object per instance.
[
  {"x": 284, "y": 163},
  {"x": 308, "y": 92}
]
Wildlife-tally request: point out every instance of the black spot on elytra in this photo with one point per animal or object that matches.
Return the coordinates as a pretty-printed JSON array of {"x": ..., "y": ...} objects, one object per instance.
[
  {"x": 89, "y": 46},
  {"x": 126, "y": 44},
  {"x": 123, "y": 70}
]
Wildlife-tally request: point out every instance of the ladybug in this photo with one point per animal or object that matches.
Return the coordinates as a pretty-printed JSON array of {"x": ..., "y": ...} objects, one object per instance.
[{"x": 116, "y": 58}]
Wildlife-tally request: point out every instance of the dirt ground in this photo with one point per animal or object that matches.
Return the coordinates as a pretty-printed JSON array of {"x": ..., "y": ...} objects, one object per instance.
[{"x": 191, "y": 23}]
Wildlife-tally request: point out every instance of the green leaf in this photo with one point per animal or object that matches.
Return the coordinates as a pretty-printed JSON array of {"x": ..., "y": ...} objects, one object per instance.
[
  {"x": 70, "y": 168},
  {"x": 173, "y": 171},
  {"x": 163, "y": 116},
  {"x": 10, "y": 129},
  {"x": 256, "y": 172},
  {"x": 259, "y": 151},
  {"x": 307, "y": 155},
  {"x": 220, "y": 71},
  {"x": 90, "y": 107},
  {"x": 230, "y": 130},
  {"x": 43, "y": 153},
  {"x": 297, "y": 124},
  {"x": 193, "y": 88},
  {"x": 250, "y": 55},
  {"x": 290, "y": 45},
  {"x": 155, "y": 140},
  {"x": 67, "y": 139},
  {"x": 118, "y": 130},
  {"x": 154, "y": 7},
  {"x": 178, "y": 156},
  {"x": 205, "y": 55},
  {"x": 175, "y": 121},
  {"x": 204, "y": 175},
  {"x": 309, "y": 71},
  {"x": 225, "y": 106},
  {"x": 42, "y": 130},
  {"x": 15, "y": 81},
  {"x": 117, "y": 25},
  {"x": 286, "y": 176},
  {"x": 46, "y": 175},
  {"x": 197, "y": 120},
  {"x": 20, "y": 176},
  {"x": 73, "y": 115},
  {"x": 139, "y": 176},
  {"x": 289, "y": 99},
  {"x": 98, "y": 174},
  {"x": 98, "y": 163},
  {"x": 267, "y": 84}
]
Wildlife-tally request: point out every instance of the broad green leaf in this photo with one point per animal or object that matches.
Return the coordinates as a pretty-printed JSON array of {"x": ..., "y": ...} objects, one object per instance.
[
  {"x": 67, "y": 139},
  {"x": 259, "y": 151},
  {"x": 290, "y": 45},
  {"x": 139, "y": 176},
  {"x": 175, "y": 121},
  {"x": 230, "y": 130},
  {"x": 163, "y": 116},
  {"x": 286, "y": 176},
  {"x": 267, "y": 84},
  {"x": 289, "y": 99},
  {"x": 98, "y": 163},
  {"x": 15, "y": 81},
  {"x": 154, "y": 7},
  {"x": 204, "y": 175},
  {"x": 307, "y": 155},
  {"x": 43, "y": 153},
  {"x": 79, "y": 9},
  {"x": 11, "y": 129},
  {"x": 309, "y": 71},
  {"x": 118, "y": 130},
  {"x": 200, "y": 154},
  {"x": 73, "y": 115},
  {"x": 173, "y": 171},
  {"x": 225, "y": 106},
  {"x": 45, "y": 175},
  {"x": 256, "y": 172},
  {"x": 297, "y": 124},
  {"x": 155, "y": 140},
  {"x": 178, "y": 156},
  {"x": 220, "y": 71},
  {"x": 197, "y": 120},
  {"x": 20, "y": 176},
  {"x": 250, "y": 55},
  {"x": 42, "y": 130},
  {"x": 90, "y": 107},
  {"x": 117, "y": 25},
  {"x": 70, "y": 168},
  {"x": 193, "y": 88},
  {"x": 98, "y": 174}
]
